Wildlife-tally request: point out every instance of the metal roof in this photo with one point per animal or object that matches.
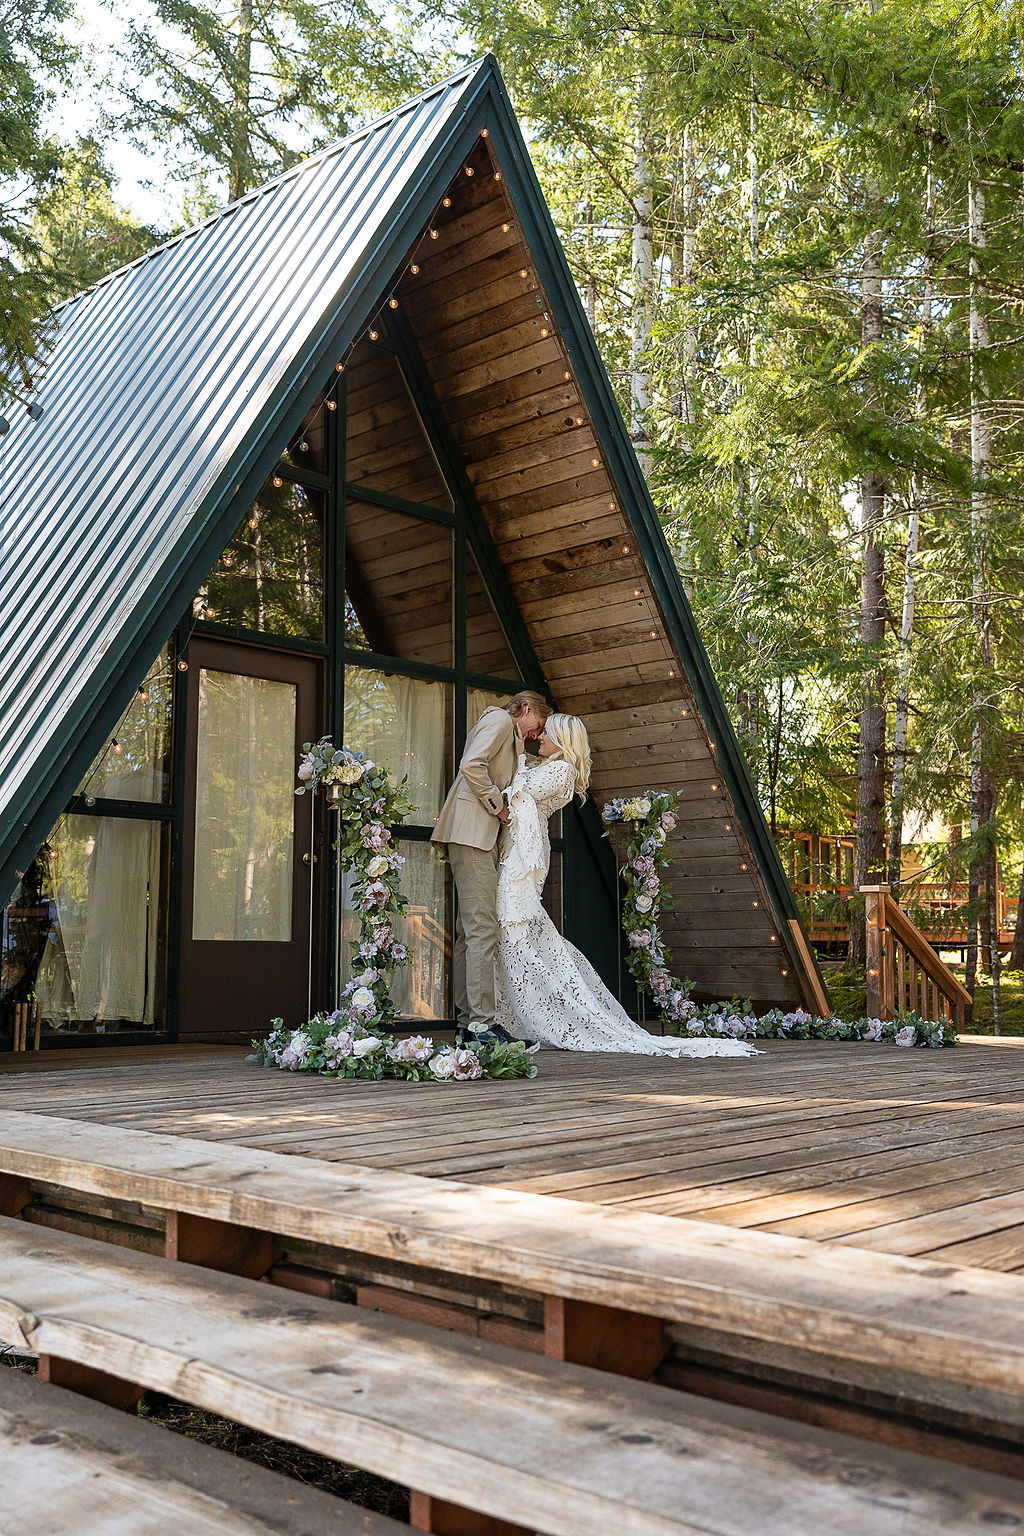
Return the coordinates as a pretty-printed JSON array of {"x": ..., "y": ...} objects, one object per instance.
[{"x": 164, "y": 383}]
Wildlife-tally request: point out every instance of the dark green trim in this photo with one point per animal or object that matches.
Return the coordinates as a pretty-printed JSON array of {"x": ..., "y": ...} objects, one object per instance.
[
  {"x": 123, "y": 810},
  {"x": 260, "y": 637},
  {"x": 311, "y": 478},
  {"x": 355, "y": 492}
]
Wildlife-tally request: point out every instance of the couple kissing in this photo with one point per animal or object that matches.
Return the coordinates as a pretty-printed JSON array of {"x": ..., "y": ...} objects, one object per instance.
[{"x": 514, "y": 975}]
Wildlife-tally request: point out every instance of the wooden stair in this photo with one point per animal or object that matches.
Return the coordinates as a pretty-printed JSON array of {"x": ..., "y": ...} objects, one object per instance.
[{"x": 903, "y": 971}]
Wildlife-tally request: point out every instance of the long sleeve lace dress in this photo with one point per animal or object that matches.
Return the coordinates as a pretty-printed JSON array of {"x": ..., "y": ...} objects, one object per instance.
[{"x": 546, "y": 990}]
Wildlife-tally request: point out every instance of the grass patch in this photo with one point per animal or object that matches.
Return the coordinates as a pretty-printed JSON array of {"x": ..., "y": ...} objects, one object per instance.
[
  {"x": 847, "y": 990},
  {"x": 1011, "y": 997}
]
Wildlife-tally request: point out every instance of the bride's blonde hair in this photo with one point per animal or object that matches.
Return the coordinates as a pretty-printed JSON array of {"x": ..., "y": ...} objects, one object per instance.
[{"x": 569, "y": 735}]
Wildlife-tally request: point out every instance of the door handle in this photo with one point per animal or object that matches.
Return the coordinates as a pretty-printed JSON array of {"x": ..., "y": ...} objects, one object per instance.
[{"x": 310, "y": 858}]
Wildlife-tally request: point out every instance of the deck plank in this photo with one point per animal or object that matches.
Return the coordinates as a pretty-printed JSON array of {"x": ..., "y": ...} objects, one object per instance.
[{"x": 900, "y": 1151}]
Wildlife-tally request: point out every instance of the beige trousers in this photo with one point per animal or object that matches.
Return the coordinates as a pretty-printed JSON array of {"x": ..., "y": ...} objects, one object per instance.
[{"x": 476, "y": 933}]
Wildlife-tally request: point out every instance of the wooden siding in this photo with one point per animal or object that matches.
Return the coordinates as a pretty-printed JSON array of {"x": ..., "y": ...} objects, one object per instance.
[{"x": 484, "y": 330}]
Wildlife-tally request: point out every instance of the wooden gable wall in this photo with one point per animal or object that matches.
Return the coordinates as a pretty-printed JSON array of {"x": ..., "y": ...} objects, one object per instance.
[{"x": 483, "y": 327}]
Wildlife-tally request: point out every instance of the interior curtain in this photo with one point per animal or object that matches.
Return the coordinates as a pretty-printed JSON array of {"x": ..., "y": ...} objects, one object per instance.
[{"x": 101, "y": 963}]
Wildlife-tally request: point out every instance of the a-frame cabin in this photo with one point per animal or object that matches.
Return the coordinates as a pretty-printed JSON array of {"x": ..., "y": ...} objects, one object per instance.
[{"x": 342, "y": 459}]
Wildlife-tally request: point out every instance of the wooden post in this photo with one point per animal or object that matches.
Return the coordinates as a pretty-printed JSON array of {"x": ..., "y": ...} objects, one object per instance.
[
  {"x": 444, "y": 1519},
  {"x": 15, "y": 1194},
  {"x": 39, "y": 1025},
  {"x": 874, "y": 917},
  {"x": 605, "y": 1338},
  {"x": 86, "y": 1380},
  {"x": 218, "y": 1245}
]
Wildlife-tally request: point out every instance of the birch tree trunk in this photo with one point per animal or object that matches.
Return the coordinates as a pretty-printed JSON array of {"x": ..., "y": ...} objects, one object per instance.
[
  {"x": 901, "y": 726},
  {"x": 869, "y": 849},
  {"x": 643, "y": 302},
  {"x": 240, "y": 168}
]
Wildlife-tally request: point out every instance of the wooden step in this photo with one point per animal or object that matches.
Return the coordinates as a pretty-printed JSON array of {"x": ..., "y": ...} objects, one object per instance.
[
  {"x": 71, "y": 1467},
  {"x": 548, "y": 1446},
  {"x": 931, "y": 1333}
]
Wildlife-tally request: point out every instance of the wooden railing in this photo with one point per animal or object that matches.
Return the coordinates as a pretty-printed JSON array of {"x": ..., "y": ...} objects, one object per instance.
[{"x": 903, "y": 970}]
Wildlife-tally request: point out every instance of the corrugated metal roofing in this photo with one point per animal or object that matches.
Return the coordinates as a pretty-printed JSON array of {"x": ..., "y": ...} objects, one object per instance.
[{"x": 160, "y": 379}]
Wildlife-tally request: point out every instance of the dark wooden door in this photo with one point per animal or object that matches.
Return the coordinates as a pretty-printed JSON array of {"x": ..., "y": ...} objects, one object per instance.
[{"x": 249, "y": 896}]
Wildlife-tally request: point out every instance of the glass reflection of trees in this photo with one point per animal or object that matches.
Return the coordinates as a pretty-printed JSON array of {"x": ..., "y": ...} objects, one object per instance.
[
  {"x": 135, "y": 763},
  {"x": 270, "y": 578}
]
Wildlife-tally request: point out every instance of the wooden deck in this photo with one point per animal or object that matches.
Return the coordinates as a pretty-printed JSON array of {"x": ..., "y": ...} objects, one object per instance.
[{"x": 904, "y": 1152}]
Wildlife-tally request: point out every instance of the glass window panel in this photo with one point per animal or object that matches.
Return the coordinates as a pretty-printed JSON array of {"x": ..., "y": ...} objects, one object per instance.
[
  {"x": 404, "y": 724},
  {"x": 386, "y": 446},
  {"x": 487, "y": 649},
  {"x": 308, "y": 448},
  {"x": 421, "y": 988},
  {"x": 270, "y": 577},
  {"x": 551, "y": 896},
  {"x": 85, "y": 935},
  {"x": 398, "y": 584},
  {"x": 245, "y": 807},
  {"x": 140, "y": 770}
]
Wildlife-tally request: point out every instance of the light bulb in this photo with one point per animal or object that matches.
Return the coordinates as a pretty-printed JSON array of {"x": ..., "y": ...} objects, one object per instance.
[
  {"x": 303, "y": 447},
  {"x": 566, "y": 374},
  {"x": 743, "y": 866},
  {"x": 625, "y": 549},
  {"x": 579, "y": 421},
  {"x": 143, "y": 693},
  {"x": 636, "y": 591},
  {"x": 51, "y": 853},
  {"x": 278, "y": 481},
  {"x": 433, "y": 234},
  {"x": 332, "y": 405},
  {"x": 469, "y": 170},
  {"x": 211, "y": 613},
  {"x": 254, "y": 522},
  {"x": 373, "y": 335},
  {"x": 414, "y": 269},
  {"x": 715, "y": 786},
  {"x": 524, "y": 272},
  {"x": 446, "y": 202},
  {"x": 339, "y": 367},
  {"x": 505, "y": 228},
  {"x": 684, "y": 713},
  {"x": 90, "y": 799},
  {"x": 497, "y": 175},
  {"x": 118, "y": 748},
  {"x": 485, "y": 133},
  {"x": 544, "y": 331},
  {"x": 654, "y": 634},
  {"x": 611, "y": 506},
  {"x": 183, "y": 665},
  {"x": 392, "y": 303}
]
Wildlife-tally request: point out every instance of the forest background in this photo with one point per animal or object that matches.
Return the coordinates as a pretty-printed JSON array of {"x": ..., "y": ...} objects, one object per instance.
[{"x": 798, "y": 231}]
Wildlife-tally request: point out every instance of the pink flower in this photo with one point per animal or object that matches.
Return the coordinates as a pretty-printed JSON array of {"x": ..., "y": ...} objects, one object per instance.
[
  {"x": 376, "y": 893},
  {"x": 661, "y": 982},
  {"x": 652, "y": 885},
  {"x": 467, "y": 1066},
  {"x": 642, "y": 865},
  {"x": 305, "y": 770},
  {"x": 640, "y": 938},
  {"x": 375, "y": 837},
  {"x": 668, "y": 821}
]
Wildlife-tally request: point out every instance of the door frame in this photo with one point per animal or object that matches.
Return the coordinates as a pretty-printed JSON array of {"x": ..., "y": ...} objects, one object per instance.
[{"x": 276, "y": 664}]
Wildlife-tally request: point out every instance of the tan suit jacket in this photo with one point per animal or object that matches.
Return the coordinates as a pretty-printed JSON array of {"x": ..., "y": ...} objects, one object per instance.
[{"x": 470, "y": 813}]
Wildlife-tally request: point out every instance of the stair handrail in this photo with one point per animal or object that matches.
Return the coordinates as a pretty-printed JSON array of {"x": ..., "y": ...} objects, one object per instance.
[{"x": 888, "y": 928}]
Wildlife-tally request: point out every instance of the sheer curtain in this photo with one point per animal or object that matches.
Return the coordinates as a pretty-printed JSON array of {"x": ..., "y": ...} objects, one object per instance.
[{"x": 100, "y": 966}]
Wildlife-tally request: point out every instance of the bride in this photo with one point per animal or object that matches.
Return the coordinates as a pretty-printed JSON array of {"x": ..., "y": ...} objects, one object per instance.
[{"x": 546, "y": 990}]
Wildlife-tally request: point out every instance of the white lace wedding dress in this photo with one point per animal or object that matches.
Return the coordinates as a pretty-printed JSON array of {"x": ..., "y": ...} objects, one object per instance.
[{"x": 546, "y": 990}]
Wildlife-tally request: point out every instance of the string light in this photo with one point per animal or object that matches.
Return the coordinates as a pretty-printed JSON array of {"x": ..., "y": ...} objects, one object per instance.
[
  {"x": 544, "y": 331},
  {"x": 728, "y": 828},
  {"x": 611, "y": 506},
  {"x": 51, "y": 853},
  {"x": 117, "y": 747},
  {"x": 392, "y": 303},
  {"x": 254, "y": 522},
  {"x": 303, "y": 447},
  {"x": 671, "y": 672},
  {"x": 505, "y": 228},
  {"x": 434, "y": 234},
  {"x": 567, "y": 374},
  {"x": 278, "y": 481},
  {"x": 373, "y": 335},
  {"x": 684, "y": 713},
  {"x": 579, "y": 421},
  {"x": 783, "y": 972},
  {"x": 211, "y": 613},
  {"x": 525, "y": 272},
  {"x": 654, "y": 634},
  {"x": 743, "y": 866},
  {"x": 143, "y": 693},
  {"x": 90, "y": 799},
  {"x": 596, "y": 463},
  {"x": 332, "y": 405},
  {"x": 470, "y": 171},
  {"x": 485, "y": 133},
  {"x": 446, "y": 202},
  {"x": 183, "y": 665},
  {"x": 625, "y": 549},
  {"x": 714, "y": 786},
  {"x": 497, "y": 175},
  {"x": 415, "y": 269},
  {"x": 227, "y": 560},
  {"x": 755, "y": 903},
  {"x": 339, "y": 367},
  {"x": 636, "y": 592},
  {"x": 773, "y": 938}
]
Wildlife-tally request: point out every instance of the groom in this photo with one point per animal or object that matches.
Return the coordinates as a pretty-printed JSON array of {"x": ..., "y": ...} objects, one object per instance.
[{"x": 467, "y": 834}]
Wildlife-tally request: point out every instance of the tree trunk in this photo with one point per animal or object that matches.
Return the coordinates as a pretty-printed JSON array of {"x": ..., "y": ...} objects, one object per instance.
[
  {"x": 902, "y": 722},
  {"x": 1016, "y": 960},
  {"x": 869, "y": 855},
  {"x": 992, "y": 910},
  {"x": 591, "y": 283},
  {"x": 981, "y": 452},
  {"x": 240, "y": 176},
  {"x": 643, "y": 301}
]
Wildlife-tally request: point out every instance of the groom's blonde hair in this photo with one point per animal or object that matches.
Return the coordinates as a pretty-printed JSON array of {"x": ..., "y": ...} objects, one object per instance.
[
  {"x": 569, "y": 734},
  {"x": 519, "y": 703}
]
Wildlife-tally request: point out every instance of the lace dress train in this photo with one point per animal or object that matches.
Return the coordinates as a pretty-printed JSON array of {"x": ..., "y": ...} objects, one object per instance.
[{"x": 546, "y": 990}]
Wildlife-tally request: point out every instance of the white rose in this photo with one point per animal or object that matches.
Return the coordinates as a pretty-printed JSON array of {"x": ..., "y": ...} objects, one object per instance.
[
  {"x": 443, "y": 1064},
  {"x": 644, "y": 903},
  {"x": 366, "y": 1046},
  {"x": 643, "y": 808},
  {"x": 362, "y": 999},
  {"x": 377, "y": 866},
  {"x": 305, "y": 772},
  {"x": 907, "y": 1035}
]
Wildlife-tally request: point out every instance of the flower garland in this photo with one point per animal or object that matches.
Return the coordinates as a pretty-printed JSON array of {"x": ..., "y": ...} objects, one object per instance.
[
  {"x": 355, "y": 1040},
  {"x": 333, "y": 1046},
  {"x": 651, "y": 817}
]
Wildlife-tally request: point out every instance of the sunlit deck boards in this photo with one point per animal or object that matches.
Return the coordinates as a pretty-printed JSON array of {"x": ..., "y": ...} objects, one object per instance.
[{"x": 906, "y": 1152}]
